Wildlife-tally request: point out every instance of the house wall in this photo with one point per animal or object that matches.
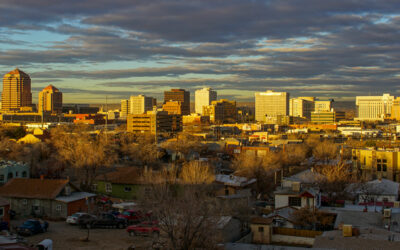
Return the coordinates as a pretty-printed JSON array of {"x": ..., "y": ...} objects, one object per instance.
[
  {"x": 5, "y": 216},
  {"x": 263, "y": 237},
  {"x": 77, "y": 206},
  {"x": 295, "y": 240},
  {"x": 45, "y": 207},
  {"x": 282, "y": 200},
  {"x": 378, "y": 198},
  {"x": 17, "y": 171}
]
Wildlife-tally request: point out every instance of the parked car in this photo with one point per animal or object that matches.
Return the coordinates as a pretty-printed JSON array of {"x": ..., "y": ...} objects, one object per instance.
[
  {"x": 133, "y": 216},
  {"x": 103, "y": 221},
  {"x": 73, "y": 219},
  {"x": 145, "y": 228},
  {"x": 32, "y": 226}
]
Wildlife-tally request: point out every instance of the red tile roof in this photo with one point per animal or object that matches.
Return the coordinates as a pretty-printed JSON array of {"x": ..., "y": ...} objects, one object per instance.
[{"x": 33, "y": 188}]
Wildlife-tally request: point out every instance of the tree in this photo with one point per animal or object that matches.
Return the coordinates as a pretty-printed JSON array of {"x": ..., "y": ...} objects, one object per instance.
[
  {"x": 261, "y": 168},
  {"x": 196, "y": 172},
  {"x": 325, "y": 151},
  {"x": 83, "y": 151},
  {"x": 336, "y": 179},
  {"x": 187, "y": 215}
]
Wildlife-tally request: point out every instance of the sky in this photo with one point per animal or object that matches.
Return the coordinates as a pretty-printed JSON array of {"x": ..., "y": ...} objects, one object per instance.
[{"x": 97, "y": 49}]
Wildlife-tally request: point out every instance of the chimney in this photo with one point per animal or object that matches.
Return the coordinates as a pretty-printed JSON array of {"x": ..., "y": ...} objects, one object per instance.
[{"x": 41, "y": 177}]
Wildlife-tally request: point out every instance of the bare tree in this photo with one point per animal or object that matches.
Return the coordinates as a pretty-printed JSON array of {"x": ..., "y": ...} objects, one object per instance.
[
  {"x": 196, "y": 172},
  {"x": 325, "y": 151},
  {"x": 188, "y": 216},
  {"x": 84, "y": 152}
]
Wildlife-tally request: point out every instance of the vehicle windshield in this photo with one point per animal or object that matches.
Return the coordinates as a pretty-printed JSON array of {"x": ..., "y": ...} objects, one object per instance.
[
  {"x": 28, "y": 223},
  {"x": 76, "y": 215},
  {"x": 126, "y": 213}
]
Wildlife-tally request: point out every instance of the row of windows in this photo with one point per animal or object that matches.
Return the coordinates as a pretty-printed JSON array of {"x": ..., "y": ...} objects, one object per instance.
[{"x": 10, "y": 175}]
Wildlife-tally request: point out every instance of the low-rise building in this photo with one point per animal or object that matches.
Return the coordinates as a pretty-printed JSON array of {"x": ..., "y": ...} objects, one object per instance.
[
  {"x": 154, "y": 122},
  {"x": 45, "y": 197},
  {"x": 13, "y": 169},
  {"x": 371, "y": 163},
  {"x": 299, "y": 191},
  {"x": 125, "y": 183}
]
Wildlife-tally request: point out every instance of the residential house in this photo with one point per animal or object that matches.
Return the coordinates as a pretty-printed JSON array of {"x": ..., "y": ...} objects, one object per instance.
[
  {"x": 233, "y": 185},
  {"x": 377, "y": 192},
  {"x": 45, "y": 197},
  {"x": 231, "y": 189},
  {"x": 282, "y": 217},
  {"x": 12, "y": 169},
  {"x": 125, "y": 183},
  {"x": 300, "y": 190}
]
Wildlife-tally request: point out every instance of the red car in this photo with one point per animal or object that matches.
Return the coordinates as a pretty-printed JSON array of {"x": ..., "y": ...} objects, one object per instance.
[
  {"x": 144, "y": 228},
  {"x": 134, "y": 216}
]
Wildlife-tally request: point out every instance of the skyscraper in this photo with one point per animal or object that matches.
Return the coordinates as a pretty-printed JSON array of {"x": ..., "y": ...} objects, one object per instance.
[
  {"x": 301, "y": 107},
  {"x": 179, "y": 95},
  {"x": 141, "y": 104},
  {"x": 204, "y": 97},
  {"x": 374, "y": 108},
  {"x": 271, "y": 104},
  {"x": 50, "y": 100},
  {"x": 16, "y": 93}
]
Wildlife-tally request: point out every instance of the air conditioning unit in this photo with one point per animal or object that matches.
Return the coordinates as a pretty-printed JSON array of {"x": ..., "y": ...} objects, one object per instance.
[{"x": 387, "y": 213}]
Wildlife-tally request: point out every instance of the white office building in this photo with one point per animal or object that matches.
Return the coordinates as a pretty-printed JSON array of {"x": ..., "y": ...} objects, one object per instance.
[
  {"x": 204, "y": 97},
  {"x": 141, "y": 104},
  {"x": 374, "y": 108},
  {"x": 271, "y": 104}
]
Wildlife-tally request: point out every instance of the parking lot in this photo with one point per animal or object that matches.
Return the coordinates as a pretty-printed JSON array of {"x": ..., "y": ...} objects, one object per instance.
[{"x": 66, "y": 236}]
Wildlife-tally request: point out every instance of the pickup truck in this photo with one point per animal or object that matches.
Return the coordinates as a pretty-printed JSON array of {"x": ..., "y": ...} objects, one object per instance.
[
  {"x": 32, "y": 226},
  {"x": 102, "y": 221},
  {"x": 134, "y": 216},
  {"x": 145, "y": 228}
]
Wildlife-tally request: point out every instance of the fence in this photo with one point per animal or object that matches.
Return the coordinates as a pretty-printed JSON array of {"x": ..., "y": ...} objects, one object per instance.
[{"x": 296, "y": 232}]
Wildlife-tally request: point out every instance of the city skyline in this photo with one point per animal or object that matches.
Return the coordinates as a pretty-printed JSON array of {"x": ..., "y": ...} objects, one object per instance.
[{"x": 116, "y": 49}]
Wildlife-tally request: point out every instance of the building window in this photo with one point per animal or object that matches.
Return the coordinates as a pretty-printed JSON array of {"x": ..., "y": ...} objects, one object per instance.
[
  {"x": 295, "y": 201},
  {"x": 58, "y": 208},
  {"x": 9, "y": 176},
  {"x": 1, "y": 177},
  {"x": 24, "y": 174},
  {"x": 260, "y": 229},
  {"x": 16, "y": 174},
  {"x": 1, "y": 211},
  {"x": 24, "y": 202},
  {"x": 127, "y": 189},
  {"x": 108, "y": 187},
  {"x": 385, "y": 200}
]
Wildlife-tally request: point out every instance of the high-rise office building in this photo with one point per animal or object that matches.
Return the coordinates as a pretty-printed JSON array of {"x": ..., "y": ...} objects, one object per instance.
[
  {"x": 271, "y": 104},
  {"x": 16, "y": 93},
  {"x": 125, "y": 108},
  {"x": 301, "y": 107},
  {"x": 141, "y": 104},
  {"x": 204, "y": 97},
  {"x": 50, "y": 100},
  {"x": 179, "y": 95},
  {"x": 374, "y": 108},
  {"x": 322, "y": 106},
  {"x": 172, "y": 107},
  {"x": 222, "y": 111}
]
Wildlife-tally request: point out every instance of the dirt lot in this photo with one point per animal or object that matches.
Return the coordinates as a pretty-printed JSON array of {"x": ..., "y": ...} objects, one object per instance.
[{"x": 66, "y": 236}]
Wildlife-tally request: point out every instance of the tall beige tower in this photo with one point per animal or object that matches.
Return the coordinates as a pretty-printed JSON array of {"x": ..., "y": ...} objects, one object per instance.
[
  {"x": 50, "y": 100},
  {"x": 16, "y": 93},
  {"x": 271, "y": 104},
  {"x": 204, "y": 97}
]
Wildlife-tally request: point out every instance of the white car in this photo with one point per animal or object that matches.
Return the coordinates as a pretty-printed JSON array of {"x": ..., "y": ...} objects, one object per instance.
[{"x": 73, "y": 219}]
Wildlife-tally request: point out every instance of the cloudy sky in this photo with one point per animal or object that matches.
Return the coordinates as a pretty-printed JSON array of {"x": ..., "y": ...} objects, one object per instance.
[{"x": 116, "y": 48}]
